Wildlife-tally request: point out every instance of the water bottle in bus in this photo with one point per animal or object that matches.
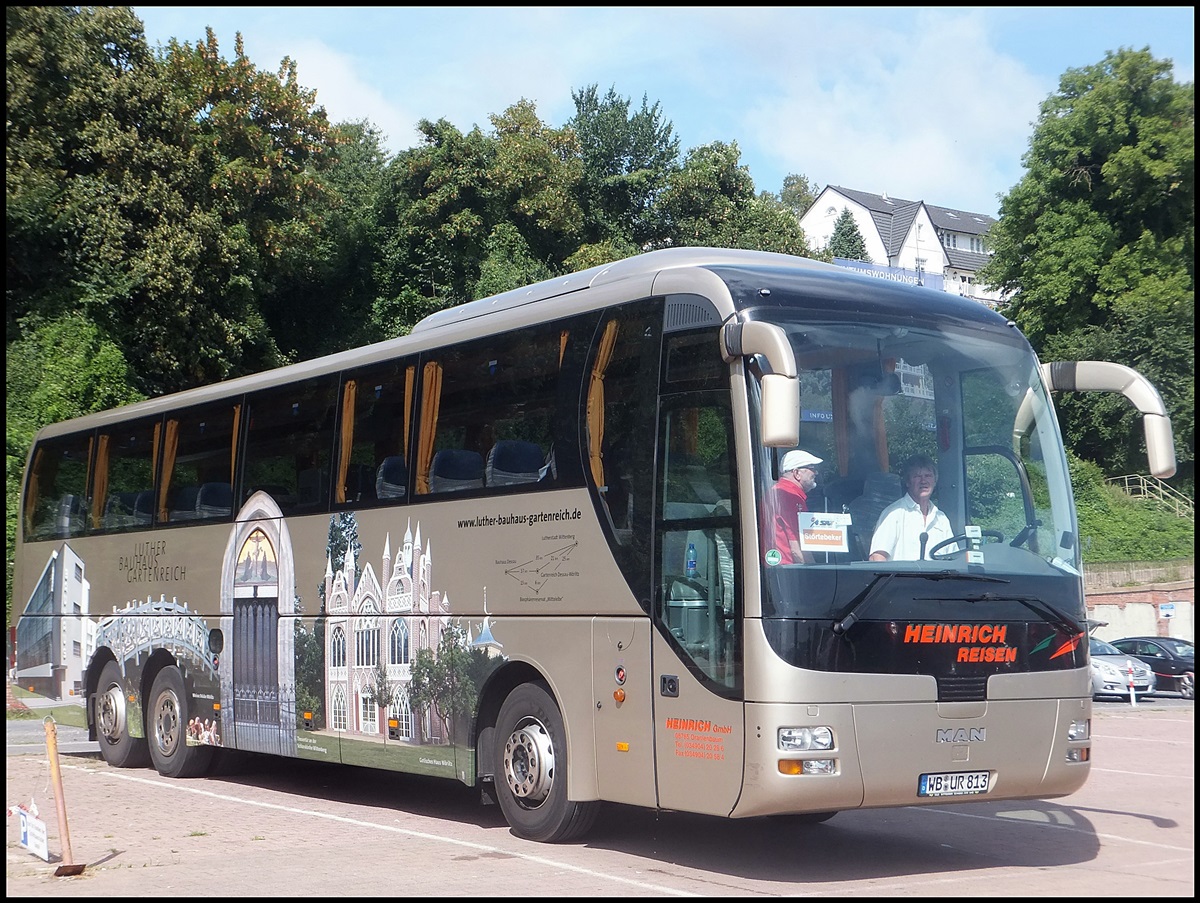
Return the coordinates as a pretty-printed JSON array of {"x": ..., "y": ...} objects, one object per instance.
[{"x": 690, "y": 568}]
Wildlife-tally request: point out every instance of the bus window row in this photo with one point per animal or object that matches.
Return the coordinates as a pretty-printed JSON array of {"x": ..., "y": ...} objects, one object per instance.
[{"x": 482, "y": 416}]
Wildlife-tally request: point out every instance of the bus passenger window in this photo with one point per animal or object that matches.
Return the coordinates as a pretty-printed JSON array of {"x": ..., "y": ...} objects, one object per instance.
[
  {"x": 289, "y": 445},
  {"x": 56, "y": 494},
  {"x": 197, "y": 461},
  {"x": 373, "y": 440}
]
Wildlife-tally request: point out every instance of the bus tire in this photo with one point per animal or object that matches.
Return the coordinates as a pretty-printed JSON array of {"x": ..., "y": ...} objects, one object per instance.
[
  {"x": 167, "y": 720},
  {"x": 109, "y": 705},
  {"x": 531, "y": 785}
]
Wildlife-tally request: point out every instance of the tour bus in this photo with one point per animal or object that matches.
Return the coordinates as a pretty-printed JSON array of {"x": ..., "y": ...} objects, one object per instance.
[{"x": 528, "y": 547}]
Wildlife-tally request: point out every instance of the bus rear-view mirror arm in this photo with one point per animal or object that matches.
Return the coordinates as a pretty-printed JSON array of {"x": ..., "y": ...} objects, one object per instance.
[
  {"x": 1105, "y": 376},
  {"x": 780, "y": 386}
]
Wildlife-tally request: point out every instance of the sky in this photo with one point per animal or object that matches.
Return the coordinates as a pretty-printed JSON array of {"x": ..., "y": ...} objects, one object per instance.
[{"x": 920, "y": 103}]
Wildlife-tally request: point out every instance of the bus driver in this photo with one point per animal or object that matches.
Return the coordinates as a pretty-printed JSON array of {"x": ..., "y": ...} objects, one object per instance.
[{"x": 912, "y": 525}]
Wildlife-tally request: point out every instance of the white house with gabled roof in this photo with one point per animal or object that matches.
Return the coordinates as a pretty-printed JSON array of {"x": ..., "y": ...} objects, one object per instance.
[{"x": 910, "y": 236}]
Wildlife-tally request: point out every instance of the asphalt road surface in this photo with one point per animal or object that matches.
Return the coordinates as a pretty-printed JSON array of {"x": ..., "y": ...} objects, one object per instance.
[{"x": 274, "y": 829}]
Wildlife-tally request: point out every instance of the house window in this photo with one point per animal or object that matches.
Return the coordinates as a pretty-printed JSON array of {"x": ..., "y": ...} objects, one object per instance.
[{"x": 337, "y": 715}]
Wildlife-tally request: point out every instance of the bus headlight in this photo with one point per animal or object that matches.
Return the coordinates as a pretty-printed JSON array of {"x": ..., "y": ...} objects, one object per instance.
[
  {"x": 792, "y": 739},
  {"x": 1078, "y": 730}
]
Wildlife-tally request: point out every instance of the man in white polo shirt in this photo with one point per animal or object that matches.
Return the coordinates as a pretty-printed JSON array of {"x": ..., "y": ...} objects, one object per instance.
[{"x": 912, "y": 525}]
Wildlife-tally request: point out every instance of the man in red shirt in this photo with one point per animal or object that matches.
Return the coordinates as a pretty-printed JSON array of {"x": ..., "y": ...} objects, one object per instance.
[{"x": 797, "y": 477}]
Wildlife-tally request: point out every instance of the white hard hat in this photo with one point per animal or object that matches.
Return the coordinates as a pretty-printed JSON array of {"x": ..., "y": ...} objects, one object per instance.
[{"x": 799, "y": 458}]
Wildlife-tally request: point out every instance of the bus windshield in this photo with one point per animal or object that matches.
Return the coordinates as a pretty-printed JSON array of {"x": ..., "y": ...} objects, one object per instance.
[{"x": 885, "y": 407}]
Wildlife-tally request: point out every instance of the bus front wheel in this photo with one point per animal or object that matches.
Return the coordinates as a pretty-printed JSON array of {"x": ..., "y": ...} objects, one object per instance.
[
  {"x": 168, "y": 720},
  {"x": 112, "y": 722},
  {"x": 532, "y": 784}
]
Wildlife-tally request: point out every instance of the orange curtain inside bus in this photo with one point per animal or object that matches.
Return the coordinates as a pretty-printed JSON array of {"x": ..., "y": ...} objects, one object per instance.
[
  {"x": 170, "y": 450},
  {"x": 233, "y": 445},
  {"x": 349, "y": 399},
  {"x": 595, "y": 401},
  {"x": 31, "y": 491},
  {"x": 431, "y": 399},
  {"x": 100, "y": 485}
]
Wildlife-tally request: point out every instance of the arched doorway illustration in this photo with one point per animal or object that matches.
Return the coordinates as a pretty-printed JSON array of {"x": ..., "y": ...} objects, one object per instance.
[{"x": 258, "y": 594}]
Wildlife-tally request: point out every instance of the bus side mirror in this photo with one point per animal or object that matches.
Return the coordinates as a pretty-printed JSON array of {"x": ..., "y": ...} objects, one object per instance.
[{"x": 216, "y": 641}]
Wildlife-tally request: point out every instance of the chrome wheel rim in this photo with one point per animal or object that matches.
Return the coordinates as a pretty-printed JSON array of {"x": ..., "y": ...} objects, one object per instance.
[{"x": 529, "y": 762}]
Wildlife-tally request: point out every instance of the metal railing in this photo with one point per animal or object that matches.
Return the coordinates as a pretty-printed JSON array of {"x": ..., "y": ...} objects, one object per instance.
[{"x": 1155, "y": 490}]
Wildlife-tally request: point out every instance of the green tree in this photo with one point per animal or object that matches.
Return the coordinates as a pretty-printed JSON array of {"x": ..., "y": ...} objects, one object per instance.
[
  {"x": 846, "y": 241},
  {"x": 627, "y": 159},
  {"x": 310, "y": 668},
  {"x": 56, "y": 370},
  {"x": 442, "y": 681},
  {"x": 1095, "y": 247},
  {"x": 798, "y": 194},
  {"x": 320, "y": 301},
  {"x": 342, "y": 540},
  {"x": 710, "y": 202},
  {"x": 434, "y": 220}
]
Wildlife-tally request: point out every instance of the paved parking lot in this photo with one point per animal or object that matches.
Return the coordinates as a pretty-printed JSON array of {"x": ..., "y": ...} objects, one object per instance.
[{"x": 321, "y": 830}]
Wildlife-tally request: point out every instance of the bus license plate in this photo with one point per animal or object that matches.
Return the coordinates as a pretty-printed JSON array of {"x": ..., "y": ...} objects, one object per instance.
[{"x": 953, "y": 783}]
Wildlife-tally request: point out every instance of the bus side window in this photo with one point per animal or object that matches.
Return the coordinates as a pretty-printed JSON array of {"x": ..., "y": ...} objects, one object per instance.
[
  {"x": 489, "y": 412},
  {"x": 122, "y": 471},
  {"x": 374, "y": 434},
  {"x": 290, "y": 443},
  {"x": 56, "y": 494},
  {"x": 621, "y": 392}
]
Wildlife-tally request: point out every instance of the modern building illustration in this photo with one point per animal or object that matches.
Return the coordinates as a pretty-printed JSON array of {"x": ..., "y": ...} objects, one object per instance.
[{"x": 53, "y": 650}]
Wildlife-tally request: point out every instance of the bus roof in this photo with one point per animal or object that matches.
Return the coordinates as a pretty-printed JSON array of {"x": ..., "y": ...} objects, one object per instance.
[{"x": 835, "y": 281}]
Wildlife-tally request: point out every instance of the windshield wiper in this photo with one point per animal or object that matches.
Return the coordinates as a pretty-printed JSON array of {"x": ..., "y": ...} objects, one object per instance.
[
  {"x": 1045, "y": 611},
  {"x": 849, "y": 615}
]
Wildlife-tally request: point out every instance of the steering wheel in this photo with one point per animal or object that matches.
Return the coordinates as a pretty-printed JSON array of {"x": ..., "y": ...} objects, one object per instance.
[{"x": 961, "y": 540}]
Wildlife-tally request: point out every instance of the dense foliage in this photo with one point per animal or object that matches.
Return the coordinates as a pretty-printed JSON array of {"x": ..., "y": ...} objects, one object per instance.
[
  {"x": 174, "y": 218},
  {"x": 1096, "y": 245},
  {"x": 1114, "y": 527}
]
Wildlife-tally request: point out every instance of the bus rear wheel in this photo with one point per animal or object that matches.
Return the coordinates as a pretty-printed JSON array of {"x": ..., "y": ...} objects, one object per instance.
[
  {"x": 112, "y": 722},
  {"x": 168, "y": 720},
  {"x": 532, "y": 784}
]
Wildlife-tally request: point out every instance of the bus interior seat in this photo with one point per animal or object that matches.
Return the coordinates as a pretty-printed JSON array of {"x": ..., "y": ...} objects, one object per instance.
[
  {"x": 71, "y": 515},
  {"x": 513, "y": 461},
  {"x": 456, "y": 469},
  {"x": 214, "y": 500},
  {"x": 183, "y": 507},
  {"x": 391, "y": 480},
  {"x": 880, "y": 489},
  {"x": 121, "y": 510}
]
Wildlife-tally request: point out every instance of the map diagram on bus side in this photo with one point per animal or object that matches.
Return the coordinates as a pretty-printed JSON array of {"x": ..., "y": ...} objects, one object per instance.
[{"x": 537, "y": 571}]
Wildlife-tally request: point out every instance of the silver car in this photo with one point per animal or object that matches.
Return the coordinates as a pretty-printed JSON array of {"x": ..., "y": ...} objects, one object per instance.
[{"x": 1113, "y": 671}]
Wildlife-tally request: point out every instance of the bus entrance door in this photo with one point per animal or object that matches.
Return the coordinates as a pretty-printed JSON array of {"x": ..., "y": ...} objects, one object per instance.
[{"x": 699, "y": 739}]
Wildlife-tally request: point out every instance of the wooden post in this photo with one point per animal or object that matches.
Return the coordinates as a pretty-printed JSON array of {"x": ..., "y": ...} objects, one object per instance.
[{"x": 68, "y": 867}]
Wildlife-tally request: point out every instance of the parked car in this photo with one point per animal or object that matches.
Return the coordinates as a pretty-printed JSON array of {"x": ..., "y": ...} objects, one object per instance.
[
  {"x": 1173, "y": 661},
  {"x": 1111, "y": 671}
]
